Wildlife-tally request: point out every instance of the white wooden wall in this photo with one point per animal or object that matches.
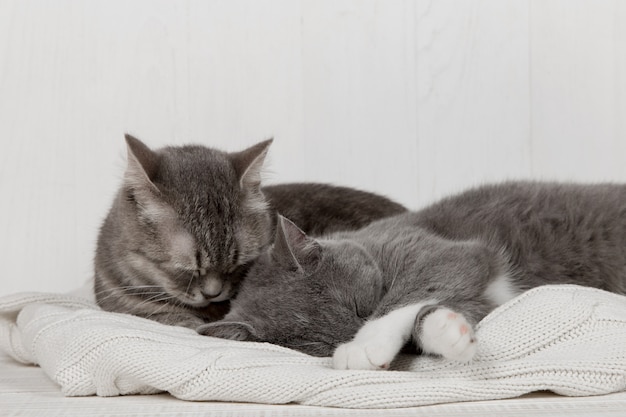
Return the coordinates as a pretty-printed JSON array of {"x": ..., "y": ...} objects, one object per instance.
[{"x": 410, "y": 98}]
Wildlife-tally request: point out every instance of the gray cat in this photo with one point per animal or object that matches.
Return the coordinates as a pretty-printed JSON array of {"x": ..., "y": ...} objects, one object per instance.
[
  {"x": 189, "y": 221},
  {"x": 429, "y": 276}
]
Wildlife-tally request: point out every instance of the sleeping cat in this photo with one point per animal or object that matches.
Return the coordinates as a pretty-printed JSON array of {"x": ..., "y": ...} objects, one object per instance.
[
  {"x": 428, "y": 277},
  {"x": 188, "y": 221}
]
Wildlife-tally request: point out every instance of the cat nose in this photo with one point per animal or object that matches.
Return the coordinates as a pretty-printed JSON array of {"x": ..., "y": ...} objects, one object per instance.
[{"x": 212, "y": 287}]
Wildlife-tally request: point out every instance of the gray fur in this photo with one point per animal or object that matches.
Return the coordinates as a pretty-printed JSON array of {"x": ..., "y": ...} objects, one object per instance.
[
  {"x": 189, "y": 221},
  {"x": 321, "y": 208},
  {"x": 313, "y": 295}
]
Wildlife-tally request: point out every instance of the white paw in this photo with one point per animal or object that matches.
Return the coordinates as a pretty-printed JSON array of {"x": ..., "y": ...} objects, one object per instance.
[
  {"x": 363, "y": 355},
  {"x": 447, "y": 333}
]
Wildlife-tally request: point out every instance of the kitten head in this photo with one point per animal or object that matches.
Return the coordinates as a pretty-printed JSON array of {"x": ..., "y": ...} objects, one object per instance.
[
  {"x": 193, "y": 218},
  {"x": 304, "y": 294}
]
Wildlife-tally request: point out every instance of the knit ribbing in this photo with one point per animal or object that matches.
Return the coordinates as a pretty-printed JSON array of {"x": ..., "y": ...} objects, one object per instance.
[{"x": 567, "y": 339}]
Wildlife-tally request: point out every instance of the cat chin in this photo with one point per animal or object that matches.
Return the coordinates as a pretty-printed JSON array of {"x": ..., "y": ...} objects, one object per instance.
[
  {"x": 196, "y": 304},
  {"x": 224, "y": 295}
]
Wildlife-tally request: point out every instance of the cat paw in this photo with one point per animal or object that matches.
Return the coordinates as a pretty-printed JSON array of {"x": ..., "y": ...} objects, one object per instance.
[
  {"x": 447, "y": 333},
  {"x": 363, "y": 356},
  {"x": 182, "y": 320},
  {"x": 189, "y": 322}
]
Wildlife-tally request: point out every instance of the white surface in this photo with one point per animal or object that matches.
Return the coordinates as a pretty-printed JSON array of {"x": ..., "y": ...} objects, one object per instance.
[
  {"x": 566, "y": 339},
  {"x": 409, "y": 98},
  {"x": 25, "y": 391}
]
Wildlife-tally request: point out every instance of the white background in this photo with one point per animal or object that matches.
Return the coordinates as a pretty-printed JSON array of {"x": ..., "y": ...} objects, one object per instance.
[{"x": 412, "y": 99}]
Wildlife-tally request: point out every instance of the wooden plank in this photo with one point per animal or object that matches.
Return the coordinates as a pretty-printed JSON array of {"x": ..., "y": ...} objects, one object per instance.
[
  {"x": 473, "y": 94},
  {"x": 359, "y": 95},
  {"x": 578, "y": 94}
]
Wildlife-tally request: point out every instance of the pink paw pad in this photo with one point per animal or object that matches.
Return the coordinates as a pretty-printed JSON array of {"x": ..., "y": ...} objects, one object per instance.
[{"x": 447, "y": 333}]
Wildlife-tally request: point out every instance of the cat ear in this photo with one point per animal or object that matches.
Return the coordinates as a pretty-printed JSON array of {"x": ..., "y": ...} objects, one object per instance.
[
  {"x": 228, "y": 330},
  {"x": 293, "y": 249},
  {"x": 143, "y": 163},
  {"x": 248, "y": 163}
]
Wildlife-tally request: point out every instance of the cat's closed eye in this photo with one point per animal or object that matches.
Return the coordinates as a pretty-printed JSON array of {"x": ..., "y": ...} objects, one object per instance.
[
  {"x": 359, "y": 311},
  {"x": 235, "y": 261},
  {"x": 198, "y": 260}
]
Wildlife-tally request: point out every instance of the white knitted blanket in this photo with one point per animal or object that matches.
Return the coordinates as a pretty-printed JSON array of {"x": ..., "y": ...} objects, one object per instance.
[{"x": 567, "y": 339}]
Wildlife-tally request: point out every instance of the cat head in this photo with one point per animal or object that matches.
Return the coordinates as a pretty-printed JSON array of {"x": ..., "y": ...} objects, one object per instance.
[
  {"x": 194, "y": 218},
  {"x": 305, "y": 294}
]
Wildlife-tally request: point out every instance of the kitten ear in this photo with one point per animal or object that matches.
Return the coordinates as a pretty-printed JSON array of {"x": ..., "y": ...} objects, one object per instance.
[
  {"x": 293, "y": 249},
  {"x": 248, "y": 163},
  {"x": 282, "y": 252},
  {"x": 143, "y": 163},
  {"x": 228, "y": 330}
]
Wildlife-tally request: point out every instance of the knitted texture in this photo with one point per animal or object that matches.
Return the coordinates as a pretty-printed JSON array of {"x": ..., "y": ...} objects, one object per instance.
[{"x": 567, "y": 339}]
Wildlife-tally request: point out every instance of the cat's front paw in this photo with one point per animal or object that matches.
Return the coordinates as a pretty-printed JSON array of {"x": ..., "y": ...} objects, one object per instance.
[
  {"x": 178, "y": 319},
  {"x": 447, "y": 333},
  {"x": 190, "y": 322},
  {"x": 361, "y": 355}
]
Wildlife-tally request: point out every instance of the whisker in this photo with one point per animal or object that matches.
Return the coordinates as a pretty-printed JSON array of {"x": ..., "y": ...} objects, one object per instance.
[
  {"x": 189, "y": 284},
  {"x": 154, "y": 301},
  {"x": 125, "y": 288},
  {"x": 151, "y": 295},
  {"x": 157, "y": 310},
  {"x": 127, "y": 291},
  {"x": 118, "y": 294}
]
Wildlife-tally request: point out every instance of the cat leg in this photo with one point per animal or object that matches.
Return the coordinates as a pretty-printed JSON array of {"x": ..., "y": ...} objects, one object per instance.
[
  {"x": 442, "y": 331},
  {"x": 177, "y": 319},
  {"x": 378, "y": 342}
]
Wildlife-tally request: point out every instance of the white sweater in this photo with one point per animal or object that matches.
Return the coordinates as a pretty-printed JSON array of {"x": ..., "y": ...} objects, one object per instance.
[{"x": 567, "y": 339}]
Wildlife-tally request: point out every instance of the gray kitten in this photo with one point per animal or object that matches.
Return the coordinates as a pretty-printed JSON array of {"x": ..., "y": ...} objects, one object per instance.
[
  {"x": 189, "y": 221},
  {"x": 428, "y": 277}
]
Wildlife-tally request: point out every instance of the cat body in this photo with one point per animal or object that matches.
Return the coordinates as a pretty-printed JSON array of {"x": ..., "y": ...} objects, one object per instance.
[
  {"x": 189, "y": 221},
  {"x": 429, "y": 276},
  {"x": 320, "y": 209}
]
